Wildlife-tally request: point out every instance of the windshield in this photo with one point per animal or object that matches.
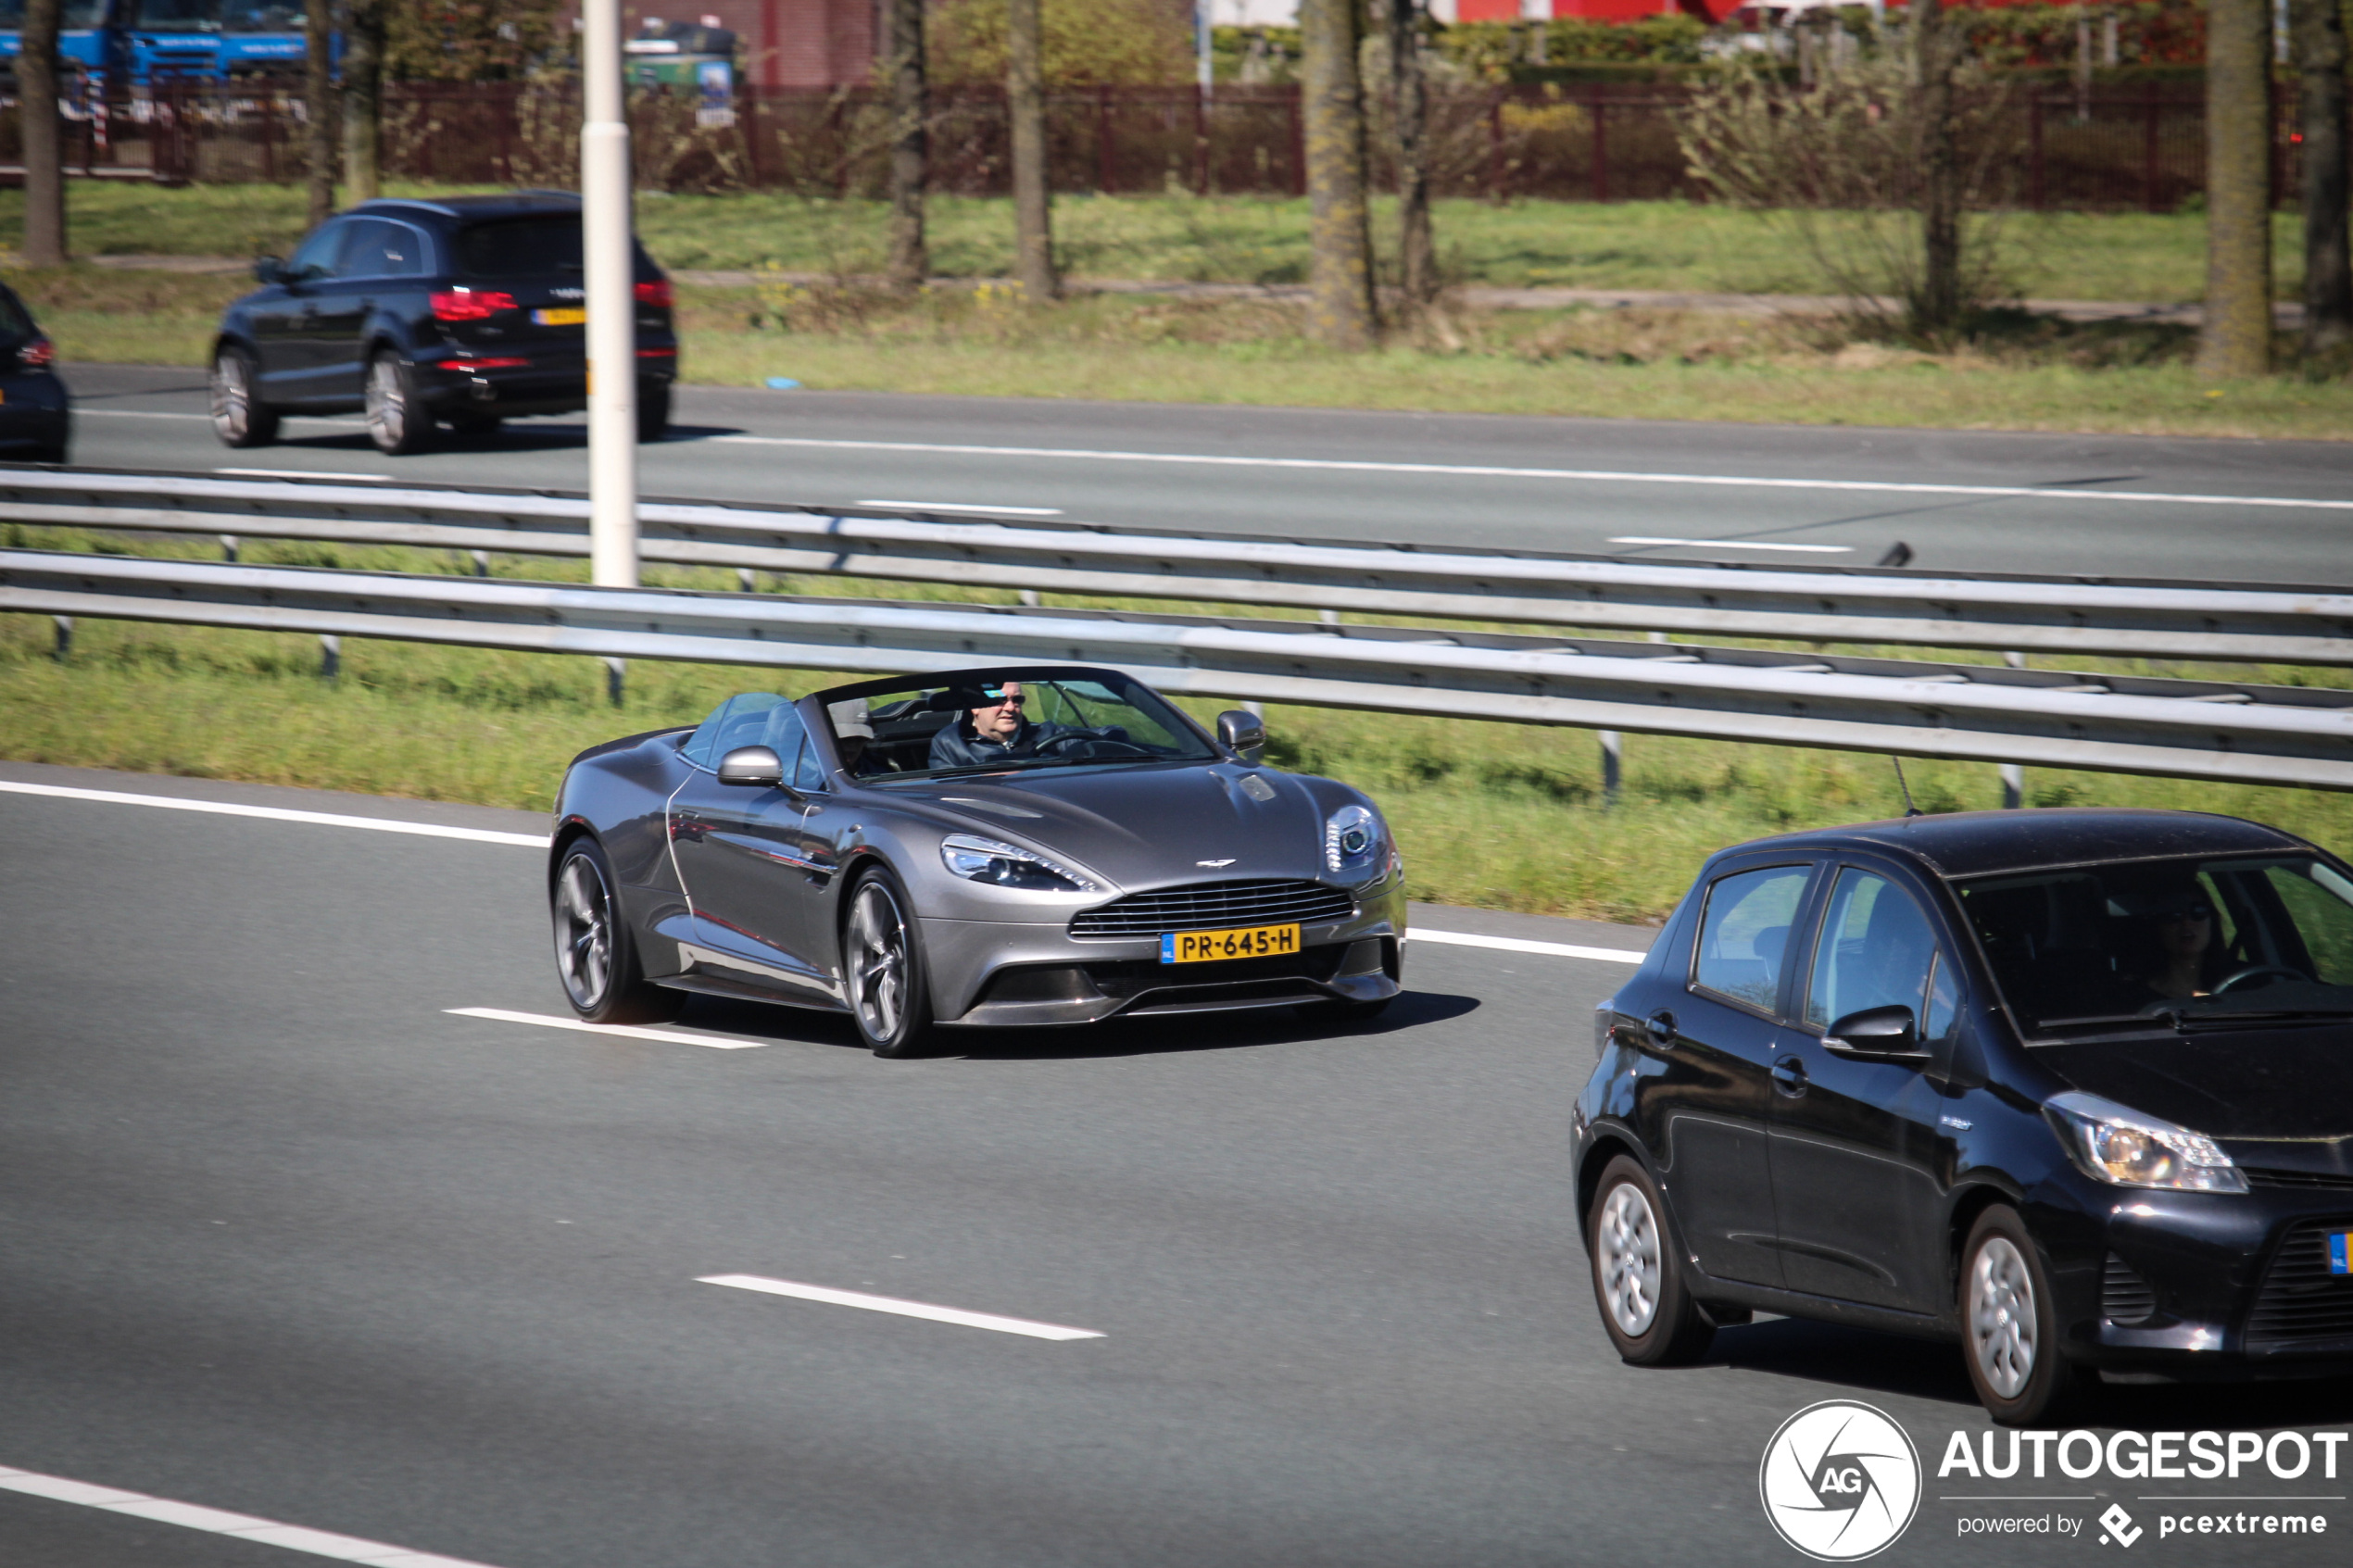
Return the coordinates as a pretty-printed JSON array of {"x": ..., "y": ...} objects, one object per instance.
[
  {"x": 990, "y": 722},
  {"x": 2099, "y": 947},
  {"x": 78, "y": 16},
  {"x": 260, "y": 16},
  {"x": 180, "y": 15}
]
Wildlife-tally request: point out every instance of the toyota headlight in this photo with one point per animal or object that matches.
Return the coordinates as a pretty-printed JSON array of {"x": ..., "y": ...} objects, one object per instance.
[
  {"x": 985, "y": 859},
  {"x": 1355, "y": 843},
  {"x": 2122, "y": 1147}
]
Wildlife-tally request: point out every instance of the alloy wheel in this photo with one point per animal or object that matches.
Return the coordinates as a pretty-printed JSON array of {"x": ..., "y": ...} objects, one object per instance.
[
  {"x": 877, "y": 962},
  {"x": 1626, "y": 1254},
  {"x": 583, "y": 933},
  {"x": 2001, "y": 1316},
  {"x": 387, "y": 403}
]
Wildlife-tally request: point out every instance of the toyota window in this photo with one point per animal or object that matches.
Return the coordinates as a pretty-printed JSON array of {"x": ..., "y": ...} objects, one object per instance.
[{"x": 1743, "y": 937}]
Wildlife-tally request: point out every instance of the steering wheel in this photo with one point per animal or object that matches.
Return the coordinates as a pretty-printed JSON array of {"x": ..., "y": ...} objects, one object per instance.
[
  {"x": 1126, "y": 748},
  {"x": 2281, "y": 972}
]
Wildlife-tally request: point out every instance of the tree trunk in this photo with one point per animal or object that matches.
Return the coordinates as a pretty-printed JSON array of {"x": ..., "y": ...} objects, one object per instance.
[
  {"x": 910, "y": 264},
  {"x": 1417, "y": 246},
  {"x": 2236, "y": 339},
  {"x": 363, "y": 71},
  {"x": 1936, "y": 50},
  {"x": 319, "y": 104},
  {"x": 1340, "y": 309},
  {"x": 2319, "y": 27},
  {"x": 1025, "y": 105},
  {"x": 44, "y": 165}
]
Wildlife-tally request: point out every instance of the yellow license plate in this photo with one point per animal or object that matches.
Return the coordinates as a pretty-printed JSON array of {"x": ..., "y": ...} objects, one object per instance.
[
  {"x": 560, "y": 318},
  {"x": 1243, "y": 942}
]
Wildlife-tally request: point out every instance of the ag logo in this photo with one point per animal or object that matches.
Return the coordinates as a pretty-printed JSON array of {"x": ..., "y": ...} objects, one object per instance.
[{"x": 1840, "y": 1481}]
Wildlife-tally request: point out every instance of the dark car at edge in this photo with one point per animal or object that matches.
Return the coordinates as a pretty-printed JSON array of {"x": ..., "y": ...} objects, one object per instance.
[
  {"x": 458, "y": 311},
  {"x": 2073, "y": 1088}
]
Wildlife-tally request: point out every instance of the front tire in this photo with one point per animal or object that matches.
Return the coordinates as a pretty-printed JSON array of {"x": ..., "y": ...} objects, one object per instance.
[
  {"x": 2010, "y": 1326},
  {"x": 1637, "y": 1283},
  {"x": 596, "y": 958},
  {"x": 882, "y": 970},
  {"x": 397, "y": 421},
  {"x": 239, "y": 417}
]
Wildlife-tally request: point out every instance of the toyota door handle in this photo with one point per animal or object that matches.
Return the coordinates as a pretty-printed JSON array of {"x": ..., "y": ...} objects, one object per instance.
[
  {"x": 1660, "y": 1026},
  {"x": 1789, "y": 1076}
]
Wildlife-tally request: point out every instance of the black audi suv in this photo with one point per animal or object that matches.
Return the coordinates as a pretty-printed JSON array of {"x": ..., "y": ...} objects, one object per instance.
[
  {"x": 36, "y": 415},
  {"x": 2071, "y": 1087},
  {"x": 459, "y": 311}
]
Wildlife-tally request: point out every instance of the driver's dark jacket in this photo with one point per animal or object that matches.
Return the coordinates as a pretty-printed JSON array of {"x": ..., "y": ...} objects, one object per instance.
[{"x": 955, "y": 745}]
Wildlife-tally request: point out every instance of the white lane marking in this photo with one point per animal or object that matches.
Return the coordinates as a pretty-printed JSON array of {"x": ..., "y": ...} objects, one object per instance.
[
  {"x": 1714, "y": 544},
  {"x": 959, "y": 506},
  {"x": 1520, "y": 944},
  {"x": 902, "y": 1309},
  {"x": 629, "y": 1031},
  {"x": 307, "y": 473},
  {"x": 534, "y": 841},
  {"x": 1612, "y": 476},
  {"x": 164, "y": 414},
  {"x": 163, "y": 1511},
  {"x": 277, "y": 814}
]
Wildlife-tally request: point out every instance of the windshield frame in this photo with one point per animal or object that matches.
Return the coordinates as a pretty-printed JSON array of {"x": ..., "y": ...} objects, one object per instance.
[
  {"x": 1128, "y": 688},
  {"x": 2170, "y": 1017}
]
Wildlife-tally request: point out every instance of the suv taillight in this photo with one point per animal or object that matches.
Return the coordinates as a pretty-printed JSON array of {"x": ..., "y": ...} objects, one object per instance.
[
  {"x": 37, "y": 355},
  {"x": 469, "y": 305},
  {"x": 656, "y": 293}
]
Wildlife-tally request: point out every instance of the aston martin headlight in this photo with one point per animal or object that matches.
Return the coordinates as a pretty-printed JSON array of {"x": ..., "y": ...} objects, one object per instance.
[
  {"x": 985, "y": 859},
  {"x": 2112, "y": 1143},
  {"x": 1355, "y": 843}
]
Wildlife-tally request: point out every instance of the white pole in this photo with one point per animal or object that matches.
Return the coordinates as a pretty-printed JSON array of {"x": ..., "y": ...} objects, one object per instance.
[{"x": 613, "y": 325}]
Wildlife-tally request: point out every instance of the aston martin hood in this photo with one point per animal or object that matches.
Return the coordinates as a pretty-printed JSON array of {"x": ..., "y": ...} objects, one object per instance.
[{"x": 1152, "y": 826}]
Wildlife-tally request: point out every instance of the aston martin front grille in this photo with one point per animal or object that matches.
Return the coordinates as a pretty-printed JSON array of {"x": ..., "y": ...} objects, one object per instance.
[
  {"x": 2302, "y": 1304},
  {"x": 1207, "y": 906}
]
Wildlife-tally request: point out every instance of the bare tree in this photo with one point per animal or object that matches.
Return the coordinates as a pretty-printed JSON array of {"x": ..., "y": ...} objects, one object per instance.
[
  {"x": 1416, "y": 246},
  {"x": 363, "y": 109},
  {"x": 2319, "y": 31},
  {"x": 2237, "y": 338},
  {"x": 1026, "y": 104},
  {"x": 1937, "y": 50},
  {"x": 44, "y": 157},
  {"x": 319, "y": 104},
  {"x": 910, "y": 264},
  {"x": 1340, "y": 309}
]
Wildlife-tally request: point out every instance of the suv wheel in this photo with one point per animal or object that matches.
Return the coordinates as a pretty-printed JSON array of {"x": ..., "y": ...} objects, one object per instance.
[
  {"x": 239, "y": 417},
  {"x": 653, "y": 410},
  {"x": 1650, "y": 1317},
  {"x": 397, "y": 422}
]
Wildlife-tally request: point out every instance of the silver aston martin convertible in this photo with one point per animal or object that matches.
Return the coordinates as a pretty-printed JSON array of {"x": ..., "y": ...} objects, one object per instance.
[{"x": 1004, "y": 846}]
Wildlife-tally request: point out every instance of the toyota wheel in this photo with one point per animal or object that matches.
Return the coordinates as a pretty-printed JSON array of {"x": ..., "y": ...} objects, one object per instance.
[{"x": 1650, "y": 1317}]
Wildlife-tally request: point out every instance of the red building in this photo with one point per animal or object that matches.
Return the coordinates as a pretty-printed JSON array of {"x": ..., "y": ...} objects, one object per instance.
[{"x": 785, "y": 42}]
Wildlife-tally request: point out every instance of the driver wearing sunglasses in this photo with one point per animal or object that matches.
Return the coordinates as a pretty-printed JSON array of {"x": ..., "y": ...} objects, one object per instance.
[{"x": 994, "y": 727}]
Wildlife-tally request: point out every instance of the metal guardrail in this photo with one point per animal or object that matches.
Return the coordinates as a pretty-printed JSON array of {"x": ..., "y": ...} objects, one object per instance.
[
  {"x": 2260, "y": 624},
  {"x": 2275, "y": 735}
]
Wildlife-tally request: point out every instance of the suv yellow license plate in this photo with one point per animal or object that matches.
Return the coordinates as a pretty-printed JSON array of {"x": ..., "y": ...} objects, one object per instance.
[
  {"x": 570, "y": 317},
  {"x": 1243, "y": 942}
]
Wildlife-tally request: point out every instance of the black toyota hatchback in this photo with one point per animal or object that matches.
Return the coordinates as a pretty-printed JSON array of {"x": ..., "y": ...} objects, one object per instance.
[
  {"x": 461, "y": 311},
  {"x": 2072, "y": 1087}
]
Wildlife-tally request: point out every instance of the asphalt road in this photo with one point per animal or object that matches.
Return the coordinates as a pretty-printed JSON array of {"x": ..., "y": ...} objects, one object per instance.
[
  {"x": 1769, "y": 495},
  {"x": 280, "y": 1235}
]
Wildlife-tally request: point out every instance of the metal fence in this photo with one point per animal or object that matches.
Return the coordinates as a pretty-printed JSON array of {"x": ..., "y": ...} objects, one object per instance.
[
  {"x": 2267, "y": 735},
  {"x": 2113, "y": 147},
  {"x": 2155, "y": 618}
]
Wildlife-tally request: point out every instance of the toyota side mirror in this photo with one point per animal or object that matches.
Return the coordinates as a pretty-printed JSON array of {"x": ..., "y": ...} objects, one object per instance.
[
  {"x": 1887, "y": 1034},
  {"x": 269, "y": 269},
  {"x": 752, "y": 767},
  {"x": 1243, "y": 733}
]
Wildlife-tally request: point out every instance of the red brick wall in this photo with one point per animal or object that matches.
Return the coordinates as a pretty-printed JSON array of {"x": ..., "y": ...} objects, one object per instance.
[{"x": 785, "y": 42}]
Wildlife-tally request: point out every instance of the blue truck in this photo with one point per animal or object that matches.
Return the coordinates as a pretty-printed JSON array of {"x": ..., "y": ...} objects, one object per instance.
[{"x": 137, "y": 43}]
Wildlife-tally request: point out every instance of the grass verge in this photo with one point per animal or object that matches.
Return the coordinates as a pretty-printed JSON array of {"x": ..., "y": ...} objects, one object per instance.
[
  {"x": 1491, "y": 815},
  {"x": 2121, "y": 255}
]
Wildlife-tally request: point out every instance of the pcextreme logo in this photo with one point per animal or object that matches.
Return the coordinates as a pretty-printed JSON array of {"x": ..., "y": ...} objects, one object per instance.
[{"x": 1839, "y": 1481}]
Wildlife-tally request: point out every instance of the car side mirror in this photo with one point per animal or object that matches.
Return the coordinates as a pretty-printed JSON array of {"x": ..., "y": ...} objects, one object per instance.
[
  {"x": 1243, "y": 733},
  {"x": 1888, "y": 1033},
  {"x": 752, "y": 767},
  {"x": 269, "y": 269}
]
